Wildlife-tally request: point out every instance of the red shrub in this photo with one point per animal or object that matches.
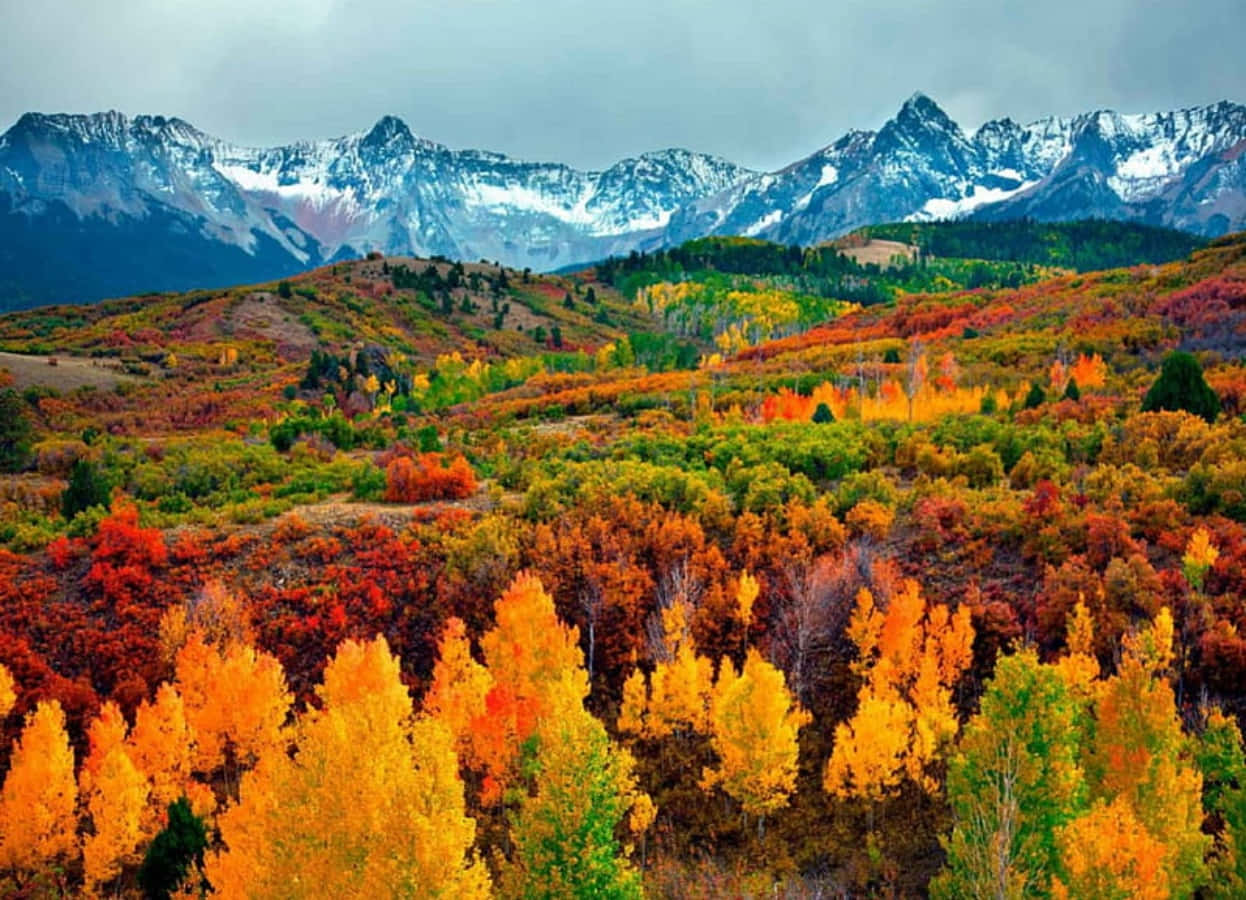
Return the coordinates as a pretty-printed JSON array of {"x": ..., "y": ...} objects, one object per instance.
[{"x": 427, "y": 477}]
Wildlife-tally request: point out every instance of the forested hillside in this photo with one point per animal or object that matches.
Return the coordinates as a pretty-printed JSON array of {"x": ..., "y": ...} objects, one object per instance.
[{"x": 731, "y": 570}]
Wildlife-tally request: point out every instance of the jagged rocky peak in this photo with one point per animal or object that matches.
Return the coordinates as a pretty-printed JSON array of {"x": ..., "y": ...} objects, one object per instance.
[
  {"x": 388, "y": 130},
  {"x": 389, "y": 189}
]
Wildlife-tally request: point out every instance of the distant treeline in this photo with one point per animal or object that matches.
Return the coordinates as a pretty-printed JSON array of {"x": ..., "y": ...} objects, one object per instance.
[{"x": 1085, "y": 245}]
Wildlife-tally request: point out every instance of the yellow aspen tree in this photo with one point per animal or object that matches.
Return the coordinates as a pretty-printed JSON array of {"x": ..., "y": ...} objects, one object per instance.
[
  {"x": 635, "y": 698},
  {"x": 870, "y": 749},
  {"x": 755, "y": 724},
  {"x": 746, "y": 596},
  {"x": 1079, "y": 667},
  {"x": 1200, "y": 555},
  {"x": 460, "y": 685},
  {"x": 235, "y": 702},
  {"x": 37, "y": 822},
  {"x": 529, "y": 647},
  {"x": 370, "y": 804},
  {"x": 161, "y": 746},
  {"x": 909, "y": 656},
  {"x": 116, "y": 802},
  {"x": 680, "y": 689}
]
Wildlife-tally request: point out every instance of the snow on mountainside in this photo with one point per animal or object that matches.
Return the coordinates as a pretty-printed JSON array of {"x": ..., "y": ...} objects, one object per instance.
[
  {"x": 92, "y": 205},
  {"x": 306, "y": 203},
  {"x": 1182, "y": 169}
]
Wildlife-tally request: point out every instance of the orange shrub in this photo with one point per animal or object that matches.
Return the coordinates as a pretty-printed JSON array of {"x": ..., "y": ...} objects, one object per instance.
[{"x": 428, "y": 477}]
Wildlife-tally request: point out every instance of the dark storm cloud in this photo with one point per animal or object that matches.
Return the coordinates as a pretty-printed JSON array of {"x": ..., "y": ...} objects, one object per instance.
[{"x": 588, "y": 82}]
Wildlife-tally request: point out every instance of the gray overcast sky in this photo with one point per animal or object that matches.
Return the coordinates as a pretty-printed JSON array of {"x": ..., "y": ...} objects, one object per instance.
[{"x": 591, "y": 81}]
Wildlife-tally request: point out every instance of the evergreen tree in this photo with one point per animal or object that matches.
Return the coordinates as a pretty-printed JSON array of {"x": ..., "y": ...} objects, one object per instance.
[
  {"x": 1036, "y": 397},
  {"x": 1181, "y": 386},
  {"x": 14, "y": 432},
  {"x": 173, "y": 852},
  {"x": 823, "y": 414},
  {"x": 1071, "y": 391},
  {"x": 87, "y": 488}
]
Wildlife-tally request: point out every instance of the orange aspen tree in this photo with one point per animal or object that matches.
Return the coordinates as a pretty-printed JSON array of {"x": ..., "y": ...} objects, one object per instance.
[
  {"x": 107, "y": 730},
  {"x": 460, "y": 685},
  {"x": 1108, "y": 854},
  {"x": 532, "y": 657},
  {"x": 37, "y": 822},
  {"x": 116, "y": 801},
  {"x": 1089, "y": 371},
  {"x": 234, "y": 702}
]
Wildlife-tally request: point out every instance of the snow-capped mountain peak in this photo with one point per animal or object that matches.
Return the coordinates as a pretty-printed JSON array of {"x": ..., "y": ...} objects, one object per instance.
[{"x": 145, "y": 185}]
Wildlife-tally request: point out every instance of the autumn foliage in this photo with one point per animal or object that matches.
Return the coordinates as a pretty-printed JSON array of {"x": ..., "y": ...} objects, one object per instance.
[{"x": 428, "y": 476}]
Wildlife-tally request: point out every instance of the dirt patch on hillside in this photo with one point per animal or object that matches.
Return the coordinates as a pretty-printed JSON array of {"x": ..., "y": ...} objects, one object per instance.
[
  {"x": 260, "y": 315},
  {"x": 881, "y": 253},
  {"x": 67, "y": 374}
]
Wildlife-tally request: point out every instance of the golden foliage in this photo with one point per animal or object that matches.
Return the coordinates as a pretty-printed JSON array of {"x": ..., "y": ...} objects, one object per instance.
[
  {"x": 1108, "y": 855},
  {"x": 370, "y": 805},
  {"x": 37, "y": 822},
  {"x": 754, "y": 724},
  {"x": 8, "y": 692},
  {"x": 115, "y": 803},
  {"x": 161, "y": 746},
  {"x": 234, "y": 702},
  {"x": 909, "y": 655},
  {"x": 460, "y": 685}
]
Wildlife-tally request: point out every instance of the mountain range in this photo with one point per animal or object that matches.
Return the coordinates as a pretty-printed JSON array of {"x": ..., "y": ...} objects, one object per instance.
[{"x": 103, "y": 205}]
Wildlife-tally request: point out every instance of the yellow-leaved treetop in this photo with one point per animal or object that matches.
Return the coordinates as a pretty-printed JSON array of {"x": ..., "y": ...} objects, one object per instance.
[
  {"x": 746, "y": 596},
  {"x": 870, "y": 749},
  {"x": 37, "y": 822},
  {"x": 161, "y": 746},
  {"x": 116, "y": 801},
  {"x": 680, "y": 690},
  {"x": 909, "y": 655},
  {"x": 1079, "y": 667},
  {"x": 1200, "y": 555},
  {"x": 460, "y": 685},
  {"x": 754, "y": 724},
  {"x": 370, "y": 804},
  {"x": 234, "y": 702}
]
